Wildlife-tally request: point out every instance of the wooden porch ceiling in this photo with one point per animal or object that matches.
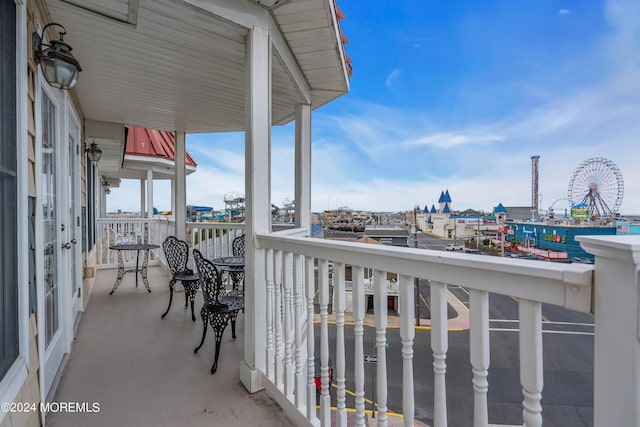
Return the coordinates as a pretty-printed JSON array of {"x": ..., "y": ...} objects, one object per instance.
[{"x": 171, "y": 65}]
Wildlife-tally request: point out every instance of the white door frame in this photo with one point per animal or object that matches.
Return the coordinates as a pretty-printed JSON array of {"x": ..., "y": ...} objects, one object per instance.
[
  {"x": 51, "y": 356},
  {"x": 74, "y": 228}
]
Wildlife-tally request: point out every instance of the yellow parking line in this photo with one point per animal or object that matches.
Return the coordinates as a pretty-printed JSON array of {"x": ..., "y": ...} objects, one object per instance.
[
  {"x": 366, "y": 411},
  {"x": 368, "y": 325},
  {"x": 350, "y": 393}
]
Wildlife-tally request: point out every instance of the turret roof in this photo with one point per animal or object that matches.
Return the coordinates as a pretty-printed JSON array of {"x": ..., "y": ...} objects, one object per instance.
[{"x": 500, "y": 208}]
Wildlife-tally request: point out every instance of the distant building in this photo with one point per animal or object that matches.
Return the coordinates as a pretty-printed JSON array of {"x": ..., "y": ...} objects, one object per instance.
[
  {"x": 556, "y": 238},
  {"x": 388, "y": 235},
  {"x": 520, "y": 213},
  {"x": 446, "y": 223}
]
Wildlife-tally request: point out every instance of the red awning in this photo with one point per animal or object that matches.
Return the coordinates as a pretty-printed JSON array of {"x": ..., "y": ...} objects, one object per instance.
[{"x": 153, "y": 143}]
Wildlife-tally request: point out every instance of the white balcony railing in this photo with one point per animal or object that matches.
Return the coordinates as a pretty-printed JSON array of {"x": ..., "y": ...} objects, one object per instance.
[
  {"x": 117, "y": 231},
  {"x": 296, "y": 265},
  {"x": 213, "y": 239}
]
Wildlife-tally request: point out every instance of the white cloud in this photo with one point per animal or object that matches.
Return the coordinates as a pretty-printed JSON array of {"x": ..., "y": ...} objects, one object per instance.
[
  {"x": 392, "y": 80},
  {"x": 453, "y": 140},
  {"x": 564, "y": 12}
]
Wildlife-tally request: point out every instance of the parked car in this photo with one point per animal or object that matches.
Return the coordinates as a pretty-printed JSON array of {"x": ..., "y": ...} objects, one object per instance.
[
  {"x": 581, "y": 260},
  {"x": 318, "y": 373},
  {"x": 454, "y": 247}
]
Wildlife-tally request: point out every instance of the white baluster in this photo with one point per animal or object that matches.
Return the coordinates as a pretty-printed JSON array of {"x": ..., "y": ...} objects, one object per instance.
[
  {"x": 211, "y": 244},
  {"x": 358, "y": 331},
  {"x": 289, "y": 367},
  {"x": 297, "y": 287},
  {"x": 439, "y": 346},
  {"x": 531, "y": 374},
  {"x": 381, "y": 313},
  {"x": 323, "y": 284},
  {"x": 207, "y": 244},
  {"x": 407, "y": 333},
  {"x": 277, "y": 280},
  {"x": 479, "y": 341},
  {"x": 339, "y": 299},
  {"x": 217, "y": 237},
  {"x": 270, "y": 314},
  {"x": 311, "y": 384}
]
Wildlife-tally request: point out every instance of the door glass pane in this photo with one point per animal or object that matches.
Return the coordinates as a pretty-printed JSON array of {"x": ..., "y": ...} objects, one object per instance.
[
  {"x": 49, "y": 216},
  {"x": 72, "y": 185}
]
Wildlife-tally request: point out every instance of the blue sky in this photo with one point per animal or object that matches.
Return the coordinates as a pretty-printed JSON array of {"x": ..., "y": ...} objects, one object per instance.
[{"x": 456, "y": 95}]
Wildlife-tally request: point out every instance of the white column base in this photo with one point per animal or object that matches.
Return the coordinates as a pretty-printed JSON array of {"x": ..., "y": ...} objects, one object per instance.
[{"x": 250, "y": 378}]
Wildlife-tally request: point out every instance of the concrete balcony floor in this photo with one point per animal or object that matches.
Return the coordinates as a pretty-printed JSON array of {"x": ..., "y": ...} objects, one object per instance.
[{"x": 142, "y": 371}]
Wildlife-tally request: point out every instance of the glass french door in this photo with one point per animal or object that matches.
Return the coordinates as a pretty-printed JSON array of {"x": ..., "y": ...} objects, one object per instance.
[
  {"x": 51, "y": 246},
  {"x": 73, "y": 237},
  {"x": 59, "y": 195}
]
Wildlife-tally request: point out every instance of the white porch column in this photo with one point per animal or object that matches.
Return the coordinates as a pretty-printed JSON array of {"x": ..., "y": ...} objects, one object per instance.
[
  {"x": 258, "y": 201},
  {"x": 173, "y": 197},
  {"x": 616, "y": 309},
  {"x": 303, "y": 166},
  {"x": 143, "y": 198},
  {"x": 103, "y": 200},
  {"x": 180, "y": 187},
  {"x": 149, "y": 193}
]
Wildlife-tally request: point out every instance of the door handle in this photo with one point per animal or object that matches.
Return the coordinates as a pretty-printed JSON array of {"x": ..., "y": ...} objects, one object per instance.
[
  {"x": 74, "y": 241},
  {"x": 66, "y": 245}
]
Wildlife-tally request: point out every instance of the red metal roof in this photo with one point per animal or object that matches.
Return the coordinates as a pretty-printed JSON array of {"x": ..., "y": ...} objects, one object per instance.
[
  {"x": 153, "y": 143},
  {"x": 340, "y": 15}
]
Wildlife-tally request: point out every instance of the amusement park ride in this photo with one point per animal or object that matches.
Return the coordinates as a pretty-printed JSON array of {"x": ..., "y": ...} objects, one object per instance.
[
  {"x": 596, "y": 187},
  {"x": 595, "y": 191}
]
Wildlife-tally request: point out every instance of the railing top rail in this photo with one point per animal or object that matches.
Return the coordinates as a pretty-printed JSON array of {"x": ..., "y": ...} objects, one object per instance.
[
  {"x": 566, "y": 285},
  {"x": 222, "y": 225},
  {"x": 229, "y": 225},
  {"x": 299, "y": 232},
  {"x": 100, "y": 220}
]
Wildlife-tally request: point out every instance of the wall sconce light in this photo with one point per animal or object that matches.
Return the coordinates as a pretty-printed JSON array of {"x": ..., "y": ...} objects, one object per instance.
[
  {"x": 59, "y": 67},
  {"x": 105, "y": 185},
  {"x": 93, "y": 152}
]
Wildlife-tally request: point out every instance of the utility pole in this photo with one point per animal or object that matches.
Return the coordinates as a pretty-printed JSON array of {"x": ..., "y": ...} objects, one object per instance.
[
  {"x": 501, "y": 232},
  {"x": 478, "y": 235},
  {"x": 416, "y": 281}
]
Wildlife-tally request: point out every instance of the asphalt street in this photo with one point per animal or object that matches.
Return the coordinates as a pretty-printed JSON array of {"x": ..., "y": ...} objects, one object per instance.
[
  {"x": 567, "y": 397},
  {"x": 568, "y": 370}
]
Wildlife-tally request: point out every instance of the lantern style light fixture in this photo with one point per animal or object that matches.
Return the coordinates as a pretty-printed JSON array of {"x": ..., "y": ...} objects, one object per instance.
[
  {"x": 59, "y": 67},
  {"x": 105, "y": 185},
  {"x": 93, "y": 152}
]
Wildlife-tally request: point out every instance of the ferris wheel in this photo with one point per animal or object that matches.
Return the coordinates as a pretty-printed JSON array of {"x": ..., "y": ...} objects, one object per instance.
[{"x": 597, "y": 185}]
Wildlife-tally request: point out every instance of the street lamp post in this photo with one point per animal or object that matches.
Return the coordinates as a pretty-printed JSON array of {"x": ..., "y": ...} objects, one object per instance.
[{"x": 478, "y": 235}]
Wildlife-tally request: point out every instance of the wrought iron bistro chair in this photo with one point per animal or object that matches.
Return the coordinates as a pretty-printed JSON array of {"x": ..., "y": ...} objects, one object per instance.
[
  {"x": 237, "y": 246},
  {"x": 237, "y": 275},
  {"x": 219, "y": 307},
  {"x": 177, "y": 253}
]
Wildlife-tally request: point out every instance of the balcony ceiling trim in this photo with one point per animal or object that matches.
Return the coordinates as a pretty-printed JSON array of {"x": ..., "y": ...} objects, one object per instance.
[{"x": 136, "y": 74}]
